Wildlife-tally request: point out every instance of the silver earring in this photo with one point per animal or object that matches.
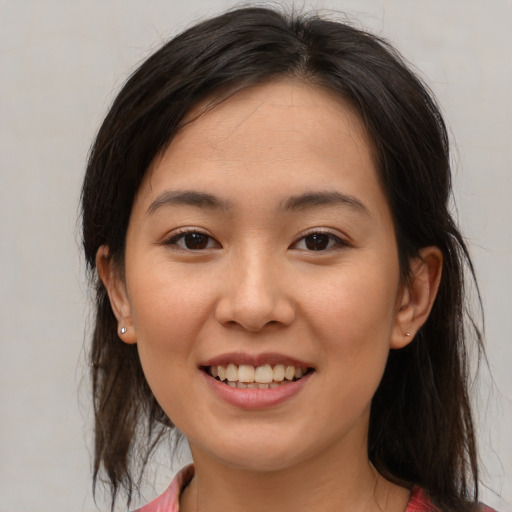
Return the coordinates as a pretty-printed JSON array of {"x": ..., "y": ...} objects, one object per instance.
[
  {"x": 123, "y": 330},
  {"x": 407, "y": 333}
]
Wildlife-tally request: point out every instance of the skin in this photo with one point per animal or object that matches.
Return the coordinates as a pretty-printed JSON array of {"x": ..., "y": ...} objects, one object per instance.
[{"x": 256, "y": 286}]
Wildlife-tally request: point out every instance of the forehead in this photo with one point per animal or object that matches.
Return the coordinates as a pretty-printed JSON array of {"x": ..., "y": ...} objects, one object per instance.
[
  {"x": 281, "y": 136},
  {"x": 276, "y": 109}
]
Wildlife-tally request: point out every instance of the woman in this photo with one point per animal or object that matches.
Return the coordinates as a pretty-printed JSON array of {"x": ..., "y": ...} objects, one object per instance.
[{"x": 278, "y": 275}]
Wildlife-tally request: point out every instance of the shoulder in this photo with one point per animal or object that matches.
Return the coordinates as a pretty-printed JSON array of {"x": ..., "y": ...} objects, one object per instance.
[
  {"x": 169, "y": 500},
  {"x": 419, "y": 502}
]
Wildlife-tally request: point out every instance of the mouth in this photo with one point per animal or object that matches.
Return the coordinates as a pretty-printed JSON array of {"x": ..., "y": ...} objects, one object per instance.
[{"x": 246, "y": 376}]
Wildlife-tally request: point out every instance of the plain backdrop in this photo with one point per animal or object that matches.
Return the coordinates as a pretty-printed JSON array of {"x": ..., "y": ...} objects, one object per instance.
[{"x": 61, "y": 63}]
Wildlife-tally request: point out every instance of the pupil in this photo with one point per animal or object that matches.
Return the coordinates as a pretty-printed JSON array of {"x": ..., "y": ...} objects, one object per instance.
[
  {"x": 317, "y": 242},
  {"x": 196, "y": 241}
]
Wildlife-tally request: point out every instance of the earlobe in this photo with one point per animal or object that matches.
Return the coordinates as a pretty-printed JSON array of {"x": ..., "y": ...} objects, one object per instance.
[
  {"x": 116, "y": 290},
  {"x": 416, "y": 300}
]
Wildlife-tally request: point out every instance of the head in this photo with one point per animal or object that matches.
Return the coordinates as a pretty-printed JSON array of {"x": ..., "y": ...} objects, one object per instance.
[{"x": 420, "y": 428}]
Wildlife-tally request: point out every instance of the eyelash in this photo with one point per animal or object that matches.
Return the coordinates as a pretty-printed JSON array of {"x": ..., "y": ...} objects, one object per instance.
[
  {"x": 181, "y": 236},
  {"x": 333, "y": 241}
]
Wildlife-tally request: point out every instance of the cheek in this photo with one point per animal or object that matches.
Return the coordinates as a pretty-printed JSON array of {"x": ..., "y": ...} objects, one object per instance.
[
  {"x": 359, "y": 295},
  {"x": 353, "y": 330},
  {"x": 167, "y": 307},
  {"x": 168, "y": 314},
  {"x": 354, "y": 314}
]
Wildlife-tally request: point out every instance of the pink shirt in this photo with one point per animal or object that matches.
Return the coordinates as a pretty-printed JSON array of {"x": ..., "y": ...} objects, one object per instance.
[{"x": 169, "y": 500}]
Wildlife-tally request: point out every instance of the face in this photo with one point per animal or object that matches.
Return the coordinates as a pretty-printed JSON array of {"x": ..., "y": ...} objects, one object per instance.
[{"x": 261, "y": 242}]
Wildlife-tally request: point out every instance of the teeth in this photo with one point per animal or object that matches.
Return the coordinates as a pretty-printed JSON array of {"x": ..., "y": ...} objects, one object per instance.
[
  {"x": 232, "y": 373},
  {"x": 279, "y": 372},
  {"x": 264, "y": 374},
  {"x": 262, "y": 377},
  {"x": 246, "y": 373}
]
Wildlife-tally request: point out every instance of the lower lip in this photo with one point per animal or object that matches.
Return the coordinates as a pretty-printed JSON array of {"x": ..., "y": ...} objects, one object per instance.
[{"x": 256, "y": 398}]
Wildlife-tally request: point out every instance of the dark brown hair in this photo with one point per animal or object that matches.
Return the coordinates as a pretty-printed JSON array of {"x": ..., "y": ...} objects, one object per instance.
[{"x": 421, "y": 427}]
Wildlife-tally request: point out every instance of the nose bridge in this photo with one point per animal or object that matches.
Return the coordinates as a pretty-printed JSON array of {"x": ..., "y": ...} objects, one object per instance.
[{"x": 255, "y": 292}]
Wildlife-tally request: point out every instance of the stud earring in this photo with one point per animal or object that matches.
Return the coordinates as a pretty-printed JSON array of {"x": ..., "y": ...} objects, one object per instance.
[
  {"x": 407, "y": 333},
  {"x": 123, "y": 330}
]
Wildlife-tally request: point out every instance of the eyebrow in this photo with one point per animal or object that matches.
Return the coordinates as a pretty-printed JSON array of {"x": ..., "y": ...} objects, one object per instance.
[
  {"x": 294, "y": 203},
  {"x": 190, "y": 198},
  {"x": 327, "y": 198}
]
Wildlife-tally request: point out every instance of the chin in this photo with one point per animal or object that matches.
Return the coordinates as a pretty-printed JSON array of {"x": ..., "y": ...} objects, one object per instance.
[{"x": 260, "y": 453}]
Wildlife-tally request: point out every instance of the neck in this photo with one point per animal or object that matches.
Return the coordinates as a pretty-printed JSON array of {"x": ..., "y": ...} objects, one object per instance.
[{"x": 331, "y": 482}]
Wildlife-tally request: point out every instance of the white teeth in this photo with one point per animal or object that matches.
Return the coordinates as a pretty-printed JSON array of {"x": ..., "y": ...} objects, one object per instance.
[
  {"x": 279, "y": 372},
  {"x": 264, "y": 374},
  {"x": 221, "y": 372},
  {"x": 232, "y": 372},
  {"x": 246, "y": 373},
  {"x": 289, "y": 373},
  {"x": 262, "y": 377}
]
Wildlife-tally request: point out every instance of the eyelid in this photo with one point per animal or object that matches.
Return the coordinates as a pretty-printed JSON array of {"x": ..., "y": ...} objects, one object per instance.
[
  {"x": 174, "y": 236},
  {"x": 341, "y": 241}
]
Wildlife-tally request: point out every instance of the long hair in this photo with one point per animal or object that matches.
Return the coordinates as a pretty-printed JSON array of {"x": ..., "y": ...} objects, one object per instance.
[{"x": 421, "y": 428}]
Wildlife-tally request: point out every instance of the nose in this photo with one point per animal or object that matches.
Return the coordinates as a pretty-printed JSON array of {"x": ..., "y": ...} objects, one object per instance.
[{"x": 255, "y": 295}]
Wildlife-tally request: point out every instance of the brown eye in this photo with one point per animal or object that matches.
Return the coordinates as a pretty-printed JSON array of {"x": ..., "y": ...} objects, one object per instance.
[
  {"x": 317, "y": 241},
  {"x": 193, "y": 241}
]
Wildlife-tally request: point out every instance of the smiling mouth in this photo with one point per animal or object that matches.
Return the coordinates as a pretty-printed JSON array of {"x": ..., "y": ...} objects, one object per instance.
[{"x": 245, "y": 376}]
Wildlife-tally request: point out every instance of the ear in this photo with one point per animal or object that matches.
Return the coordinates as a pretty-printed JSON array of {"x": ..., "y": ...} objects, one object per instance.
[
  {"x": 116, "y": 290},
  {"x": 417, "y": 297}
]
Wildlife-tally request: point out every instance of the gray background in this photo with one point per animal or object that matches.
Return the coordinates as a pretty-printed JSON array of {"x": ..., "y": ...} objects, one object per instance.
[{"x": 61, "y": 63}]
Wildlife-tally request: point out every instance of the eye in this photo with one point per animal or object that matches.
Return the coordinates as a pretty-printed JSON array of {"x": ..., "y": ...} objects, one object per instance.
[
  {"x": 193, "y": 241},
  {"x": 318, "y": 241}
]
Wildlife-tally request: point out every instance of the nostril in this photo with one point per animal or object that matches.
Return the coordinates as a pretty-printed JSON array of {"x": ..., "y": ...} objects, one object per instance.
[{"x": 253, "y": 308}]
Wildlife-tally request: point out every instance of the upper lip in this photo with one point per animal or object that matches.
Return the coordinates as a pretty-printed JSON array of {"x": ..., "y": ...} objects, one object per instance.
[{"x": 239, "y": 358}]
